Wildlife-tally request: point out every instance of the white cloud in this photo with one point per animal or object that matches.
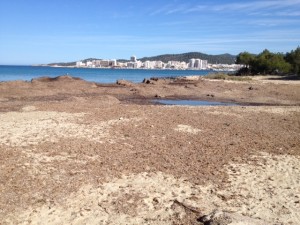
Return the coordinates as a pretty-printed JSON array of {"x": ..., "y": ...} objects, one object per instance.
[
  {"x": 228, "y": 7},
  {"x": 257, "y": 5},
  {"x": 177, "y": 9},
  {"x": 269, "y": 22},
  {"x": 288, "y": 13},
  {"x": 161, "y": 10}
]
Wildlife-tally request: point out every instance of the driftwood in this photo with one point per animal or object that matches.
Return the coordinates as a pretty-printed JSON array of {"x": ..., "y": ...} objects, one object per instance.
[{"x": 187, "y": 207}]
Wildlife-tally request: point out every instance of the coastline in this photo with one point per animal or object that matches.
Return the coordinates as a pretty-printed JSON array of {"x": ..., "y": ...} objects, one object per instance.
[
  {"x": 83, "y": 152},
  {"x": 121, "y": 68}
]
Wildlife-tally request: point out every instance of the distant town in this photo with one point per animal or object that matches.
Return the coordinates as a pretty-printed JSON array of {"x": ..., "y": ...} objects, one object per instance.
[{"x": 133, "y": 63}]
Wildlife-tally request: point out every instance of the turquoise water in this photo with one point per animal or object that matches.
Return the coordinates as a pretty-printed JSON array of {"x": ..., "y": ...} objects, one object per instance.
[
  {"x": 8, "y": 73},
  {"x": 193, "y": 103}
]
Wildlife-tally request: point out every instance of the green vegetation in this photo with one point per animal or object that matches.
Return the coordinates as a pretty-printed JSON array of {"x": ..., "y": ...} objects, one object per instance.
[
  {"x": 185, "y": 57},
  {"x": 269, "y": 63},
  {"x": 62, "y": 64},
  {"x": 294, "y": 59},
  {"x": 223, "y": 76}
]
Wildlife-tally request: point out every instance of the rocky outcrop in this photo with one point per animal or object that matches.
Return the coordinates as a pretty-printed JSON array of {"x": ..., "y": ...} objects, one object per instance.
[
  {"x": 51, "y": 79},
  {"x": 125, "y": 83}
]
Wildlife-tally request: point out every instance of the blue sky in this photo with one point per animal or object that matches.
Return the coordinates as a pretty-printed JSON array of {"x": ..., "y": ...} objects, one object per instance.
[{"x": 44, "y": 31}]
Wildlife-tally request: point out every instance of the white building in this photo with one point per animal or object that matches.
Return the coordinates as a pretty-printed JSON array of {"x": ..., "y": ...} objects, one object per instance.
[
  {"x": 159, "y": 64},
  {"x": 130, "y": 64},
  {"x": 97, "y": 63},
  {"x": 149, "y": 64},
  {"x": 198, "y": 64},
  {"x": 191, "y": 63},
  {"x": 89, "y": 63},
  {"x": 80, "y": 64},
  {"x": 104, "y": 63},
  {"x": 204, "y": 64},
  {"x": 134, "y": 65},
  {"x": 113, "y": 62},
  {"x": 139, "y": 64},
  {"x": 121, "y": 64}
]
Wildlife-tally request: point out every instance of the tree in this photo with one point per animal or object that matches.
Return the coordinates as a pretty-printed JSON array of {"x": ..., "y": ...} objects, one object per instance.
[
  {"x": 270, "y": 63},
  {"x": 264, "y": 63},
  {"x": 294, "y": 59},
  {"x": 245, "y": 58}
]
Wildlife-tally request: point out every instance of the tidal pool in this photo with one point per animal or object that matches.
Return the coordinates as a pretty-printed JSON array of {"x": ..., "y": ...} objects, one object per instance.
[{"x": 193, "y": 102}]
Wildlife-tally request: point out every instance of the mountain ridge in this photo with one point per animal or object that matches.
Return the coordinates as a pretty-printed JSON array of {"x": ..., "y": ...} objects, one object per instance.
[
  {"x": 185, "y": 57},
  {"x": 182, "y": 57}
]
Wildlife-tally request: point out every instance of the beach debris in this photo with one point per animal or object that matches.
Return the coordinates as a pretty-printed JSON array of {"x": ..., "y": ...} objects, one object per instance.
[
  {"x": 157, "y": 96},
  {"x": 188, "y": 207},
  {"x": 211, "y": 95},
  {"x": 187, "y": 129},
  {"x": 227, "y": 218}
]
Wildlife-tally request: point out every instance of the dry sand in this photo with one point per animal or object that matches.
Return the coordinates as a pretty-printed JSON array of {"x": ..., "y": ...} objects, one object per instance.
[
  {"x": 268, "y": 190},
  {"x": 82, "y": 153}
]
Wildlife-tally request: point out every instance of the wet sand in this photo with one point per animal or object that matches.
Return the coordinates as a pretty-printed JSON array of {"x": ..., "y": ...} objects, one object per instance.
[{"x": 75, "y": 152}]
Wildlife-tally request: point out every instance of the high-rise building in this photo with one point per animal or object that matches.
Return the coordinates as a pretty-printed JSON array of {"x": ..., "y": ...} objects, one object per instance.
[
  {"x": 159, "y": 64},
  {"x": 148, "y": 65},
  {"x": 191, "y": 63},
  {"x": 104, "y": 63},
  {"x": 198, "y": 63},
  {"x": 204, "y": 64},
  {"x": 133, "y": 58}
]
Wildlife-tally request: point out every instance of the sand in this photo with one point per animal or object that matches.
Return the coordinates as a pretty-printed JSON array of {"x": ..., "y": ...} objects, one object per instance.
[
  {"x": 92, "y": 154},
  {"x": 267, "y": 189},
  {"x": 32, "y": 128}
]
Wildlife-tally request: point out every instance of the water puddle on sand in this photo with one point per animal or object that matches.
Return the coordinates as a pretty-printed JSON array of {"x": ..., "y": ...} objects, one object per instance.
[{"x": 193, "y": 103}]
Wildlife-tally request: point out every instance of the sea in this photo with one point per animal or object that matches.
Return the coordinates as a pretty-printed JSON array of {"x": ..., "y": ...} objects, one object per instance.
[{"x": 99, "y": 75}]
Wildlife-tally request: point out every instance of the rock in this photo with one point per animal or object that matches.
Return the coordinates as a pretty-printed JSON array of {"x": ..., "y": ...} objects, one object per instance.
[
  {"x": 225, "y": 218},
  {"x": 146, "y": 81},
  {"x": 155, "y": 200},
  {"x": 59, "y": 78},
  {"x": 124, "y": 83}
]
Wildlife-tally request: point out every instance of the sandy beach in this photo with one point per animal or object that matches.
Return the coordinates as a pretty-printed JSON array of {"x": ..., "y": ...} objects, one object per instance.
[{"x": 77, "y": 152}]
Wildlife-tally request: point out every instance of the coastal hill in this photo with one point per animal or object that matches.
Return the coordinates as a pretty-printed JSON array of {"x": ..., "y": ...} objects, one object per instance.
[{"x": 185, "y": 57}]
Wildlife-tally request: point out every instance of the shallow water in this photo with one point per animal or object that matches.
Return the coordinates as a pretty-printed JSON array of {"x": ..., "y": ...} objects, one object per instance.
[
  {"x": 8, "y": 73},
  {"x": 193, "y": 103}
]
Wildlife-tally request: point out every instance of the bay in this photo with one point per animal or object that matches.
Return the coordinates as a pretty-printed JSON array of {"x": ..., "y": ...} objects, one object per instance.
[{"x": 101, "y": 75}]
